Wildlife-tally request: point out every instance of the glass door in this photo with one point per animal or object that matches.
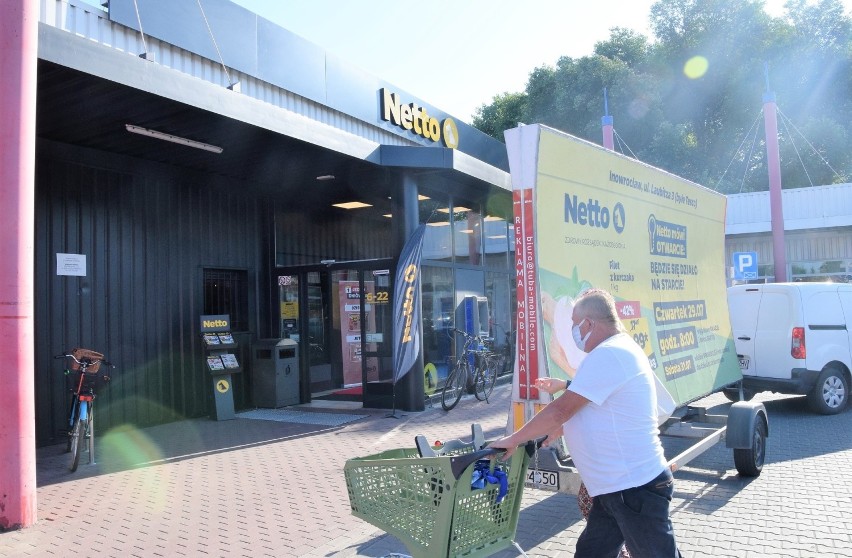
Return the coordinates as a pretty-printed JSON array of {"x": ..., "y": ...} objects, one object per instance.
[
  {"x": 341, "y": 316},
  {"x": 362, "y": 315},
  {"x": 304, "y": 316}
]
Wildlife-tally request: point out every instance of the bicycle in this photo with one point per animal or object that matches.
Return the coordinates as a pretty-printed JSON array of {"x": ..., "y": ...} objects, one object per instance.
[
  {"x": 506, "y": 351},
  {"x": 86, "y": 364},
  {"x": 484, "y": 375}
]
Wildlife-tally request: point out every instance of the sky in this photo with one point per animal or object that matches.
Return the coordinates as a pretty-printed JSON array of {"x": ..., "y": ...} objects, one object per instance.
[{"x": 456, "y": 55}]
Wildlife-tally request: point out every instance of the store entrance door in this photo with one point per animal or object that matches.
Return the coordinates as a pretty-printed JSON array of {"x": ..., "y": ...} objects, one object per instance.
[{"x": 344, "y": 329}]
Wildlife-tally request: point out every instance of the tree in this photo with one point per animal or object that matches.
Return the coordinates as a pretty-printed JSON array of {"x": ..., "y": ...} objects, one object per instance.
[
  {"x": 690, "y": 102},
  {"x": 504, "y": 112},
  {"x": 625, "y": 45}
]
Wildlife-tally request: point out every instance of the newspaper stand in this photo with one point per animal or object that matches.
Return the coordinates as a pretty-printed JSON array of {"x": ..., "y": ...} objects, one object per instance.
[
  {"x": 220, "y": 362},
  {"x": 428, "y": 503}
]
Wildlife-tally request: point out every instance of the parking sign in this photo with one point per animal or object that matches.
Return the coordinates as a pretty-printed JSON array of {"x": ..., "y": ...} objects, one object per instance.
[{"x": 745, "y": 265}]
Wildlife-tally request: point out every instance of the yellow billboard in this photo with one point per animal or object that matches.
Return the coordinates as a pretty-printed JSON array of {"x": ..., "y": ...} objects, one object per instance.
[{"x": 588, "y": 217}]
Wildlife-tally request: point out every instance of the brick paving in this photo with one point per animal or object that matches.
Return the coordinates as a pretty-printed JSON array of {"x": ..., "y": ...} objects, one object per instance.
[{"x": 261, "y": 488}]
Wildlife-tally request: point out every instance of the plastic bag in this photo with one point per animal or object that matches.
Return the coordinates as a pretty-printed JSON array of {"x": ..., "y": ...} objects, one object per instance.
[{"x": 483, "y": 476}]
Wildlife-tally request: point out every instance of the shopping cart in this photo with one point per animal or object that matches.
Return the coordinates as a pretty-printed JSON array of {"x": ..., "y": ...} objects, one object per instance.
[{"x": 428, "y": 503}]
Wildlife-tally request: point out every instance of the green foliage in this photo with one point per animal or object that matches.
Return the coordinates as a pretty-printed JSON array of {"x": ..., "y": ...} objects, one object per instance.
[
  {"x": 504, "y": 112},
  {"x": 691, "y": 100}
]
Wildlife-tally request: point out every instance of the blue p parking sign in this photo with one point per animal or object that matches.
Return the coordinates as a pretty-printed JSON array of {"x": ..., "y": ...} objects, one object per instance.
[{"x": 745, "y": 265}]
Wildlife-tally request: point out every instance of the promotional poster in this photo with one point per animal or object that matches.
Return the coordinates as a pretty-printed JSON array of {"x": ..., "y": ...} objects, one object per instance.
[{"x": 586, "y": 217}]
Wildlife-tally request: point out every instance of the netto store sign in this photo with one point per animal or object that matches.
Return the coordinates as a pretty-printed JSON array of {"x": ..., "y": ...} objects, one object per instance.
[
  {"x": 415, "y": 118},
  {"x": 216, "y": 322}
]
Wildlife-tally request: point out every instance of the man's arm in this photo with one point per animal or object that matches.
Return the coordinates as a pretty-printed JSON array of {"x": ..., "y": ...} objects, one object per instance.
[{"x": 553, "y": 416}]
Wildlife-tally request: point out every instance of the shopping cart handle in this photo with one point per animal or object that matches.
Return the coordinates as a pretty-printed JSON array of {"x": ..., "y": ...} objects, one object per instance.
[{"x": 458, "y": 463}]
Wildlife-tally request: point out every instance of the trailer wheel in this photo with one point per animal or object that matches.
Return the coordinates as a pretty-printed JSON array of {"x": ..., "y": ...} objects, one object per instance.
[{"x": 749, "y": 461}]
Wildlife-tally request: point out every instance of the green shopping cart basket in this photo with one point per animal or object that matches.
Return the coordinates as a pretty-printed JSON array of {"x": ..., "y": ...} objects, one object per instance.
[{"x": 429, "y": 504}]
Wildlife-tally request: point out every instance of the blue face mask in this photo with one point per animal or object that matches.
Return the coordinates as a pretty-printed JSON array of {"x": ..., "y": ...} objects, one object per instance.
[{"x": 580, "y": 340}]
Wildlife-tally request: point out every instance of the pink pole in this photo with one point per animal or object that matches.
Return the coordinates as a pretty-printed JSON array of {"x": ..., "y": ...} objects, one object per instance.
[
  {"x": 779, "y": 250},
  {"x": 18, "y": 58},
  {"x": 606, "y": 126}
]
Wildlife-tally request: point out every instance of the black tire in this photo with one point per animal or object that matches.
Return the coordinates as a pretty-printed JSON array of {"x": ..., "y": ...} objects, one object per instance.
[
  {"x": 830, "y": 394},
  {"x": 74, "y": 441},
  {"x": 455, "y": 385},
  {"x": 749, "y": 462},
  {"x": 485, "y": 379}
]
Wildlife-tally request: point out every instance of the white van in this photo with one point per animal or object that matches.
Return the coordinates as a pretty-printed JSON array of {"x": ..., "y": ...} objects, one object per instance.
[{"x": 794, "y": 338}]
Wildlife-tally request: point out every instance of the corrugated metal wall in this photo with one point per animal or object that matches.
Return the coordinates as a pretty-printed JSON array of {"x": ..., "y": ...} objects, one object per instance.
[
  {"x": 830, "y": 244},
  {"x": 147, "y": 235}
]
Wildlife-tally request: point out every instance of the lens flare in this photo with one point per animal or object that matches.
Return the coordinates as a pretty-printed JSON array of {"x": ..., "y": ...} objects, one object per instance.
[
  {"x": 695, "y": 67},
  {"x": 128, "y": 447}
]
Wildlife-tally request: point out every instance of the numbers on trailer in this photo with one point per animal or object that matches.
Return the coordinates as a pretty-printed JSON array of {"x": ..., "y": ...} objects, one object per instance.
[{"x": 543, "y": 479}]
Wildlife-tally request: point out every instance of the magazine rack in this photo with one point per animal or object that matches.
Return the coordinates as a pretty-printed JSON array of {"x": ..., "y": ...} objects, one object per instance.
[{"x": 221, "y": 361}]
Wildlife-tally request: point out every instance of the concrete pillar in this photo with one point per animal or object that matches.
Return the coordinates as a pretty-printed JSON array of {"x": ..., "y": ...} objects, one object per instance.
[{"x": 18, "y": 58}]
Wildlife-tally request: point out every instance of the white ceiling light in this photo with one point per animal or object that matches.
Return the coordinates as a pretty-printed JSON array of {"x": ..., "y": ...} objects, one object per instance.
[
  {"x": 174, "y": 139},
  {"x": 324, "y": 177},
  {"x": 352, "y": 205}
]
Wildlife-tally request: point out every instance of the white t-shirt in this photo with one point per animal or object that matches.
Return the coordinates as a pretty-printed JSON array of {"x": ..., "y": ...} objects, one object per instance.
[{"x": 614, "y": 440}]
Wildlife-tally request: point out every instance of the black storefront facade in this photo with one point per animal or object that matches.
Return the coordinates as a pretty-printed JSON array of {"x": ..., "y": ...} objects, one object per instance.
[{"x": 241, "y": 218}]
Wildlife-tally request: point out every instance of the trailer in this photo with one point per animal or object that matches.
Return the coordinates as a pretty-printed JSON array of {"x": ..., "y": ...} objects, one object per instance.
[{"x": 587, "y": 217}]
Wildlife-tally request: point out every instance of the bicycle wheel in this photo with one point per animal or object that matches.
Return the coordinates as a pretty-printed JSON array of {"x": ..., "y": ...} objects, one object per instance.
[
  {"x": 77, "y": 432},
  {"x": 486, "y": 377},
  {"x": 455, "y": 385}
]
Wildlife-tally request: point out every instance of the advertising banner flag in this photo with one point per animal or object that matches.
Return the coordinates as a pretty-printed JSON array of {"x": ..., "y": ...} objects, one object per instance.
[
  {"x": 652, "y": 239},
  {"x": 407, "y": 305}
]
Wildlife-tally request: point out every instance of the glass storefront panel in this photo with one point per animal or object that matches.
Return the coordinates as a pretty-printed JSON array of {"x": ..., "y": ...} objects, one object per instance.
[
  {"x": 501, "y": 302},
  {"x": 496, "y": 241},
  {"x": 438, "y": 322},
  {"x": 288, "y": 300},
  {"x": 438, "y": 242},
  {"x": 318, "y": 333},
  {"x": 838, "y": 271},
  {"x": 467, "y": 232}
]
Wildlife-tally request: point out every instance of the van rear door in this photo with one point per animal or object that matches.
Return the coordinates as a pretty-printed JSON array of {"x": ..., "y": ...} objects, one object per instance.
[
  {"x": 779, "y": 313},
  {"x": 743, "y": 305}
]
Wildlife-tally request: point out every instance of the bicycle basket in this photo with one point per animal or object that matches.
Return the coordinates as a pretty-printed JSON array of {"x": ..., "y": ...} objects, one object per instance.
[
  {"x": 420, "y": 501},
  {"x": 93, "y": 357}
]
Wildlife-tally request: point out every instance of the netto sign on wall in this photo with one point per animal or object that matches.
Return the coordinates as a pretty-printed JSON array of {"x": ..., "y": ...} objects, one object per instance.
[{"x": 415, "y": 119}]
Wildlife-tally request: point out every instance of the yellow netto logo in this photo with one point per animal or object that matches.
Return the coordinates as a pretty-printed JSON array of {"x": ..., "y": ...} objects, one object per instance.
[
  {"x": 214, "y": 323},
  {"x": 416, "y": 119}
]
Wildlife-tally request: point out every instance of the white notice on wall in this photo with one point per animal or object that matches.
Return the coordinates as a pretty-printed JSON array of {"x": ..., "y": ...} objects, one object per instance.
[{"x": 71, "y": 264}]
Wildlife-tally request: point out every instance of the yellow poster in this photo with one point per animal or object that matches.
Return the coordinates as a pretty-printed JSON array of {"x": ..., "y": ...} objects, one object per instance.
[{"x": 652, "y": 239}]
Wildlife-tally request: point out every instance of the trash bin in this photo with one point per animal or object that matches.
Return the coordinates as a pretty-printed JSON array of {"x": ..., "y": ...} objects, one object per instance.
[{"x": 275, "y": 373}]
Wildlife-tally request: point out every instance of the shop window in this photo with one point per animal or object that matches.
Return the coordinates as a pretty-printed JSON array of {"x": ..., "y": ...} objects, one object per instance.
[
  {"x": 838, "y": 271},
  {"x": 226, "y": 292},
  {"x": 497, "y": 233},
  {"x": 467, "y": 232},
  {"x": 438, "y": 319},
  {"x": 438, "y": 241}
]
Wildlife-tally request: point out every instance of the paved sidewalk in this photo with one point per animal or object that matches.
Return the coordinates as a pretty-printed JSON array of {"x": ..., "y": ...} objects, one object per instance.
[{"x": 265, "y": 488}]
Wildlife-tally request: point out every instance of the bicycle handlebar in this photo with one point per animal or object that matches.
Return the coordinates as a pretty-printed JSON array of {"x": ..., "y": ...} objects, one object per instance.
[
  {"x": 469, "y": 335},
  {"x": 85, "y": 361}
]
